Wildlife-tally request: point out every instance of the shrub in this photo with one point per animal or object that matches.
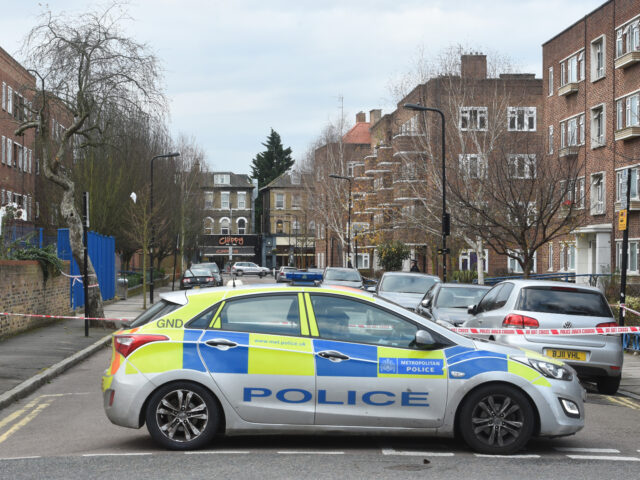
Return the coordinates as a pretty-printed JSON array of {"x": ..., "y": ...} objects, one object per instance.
[
  {"x": 392, "y": 254},
  {"x": 464, "y": 276}
]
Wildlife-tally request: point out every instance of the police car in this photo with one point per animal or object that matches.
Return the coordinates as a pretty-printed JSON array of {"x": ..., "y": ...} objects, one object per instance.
[{"x": 302, "y": 360}]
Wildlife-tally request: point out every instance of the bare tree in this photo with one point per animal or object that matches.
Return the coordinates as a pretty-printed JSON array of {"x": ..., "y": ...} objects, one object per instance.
[{"x": 85, "y": 70}]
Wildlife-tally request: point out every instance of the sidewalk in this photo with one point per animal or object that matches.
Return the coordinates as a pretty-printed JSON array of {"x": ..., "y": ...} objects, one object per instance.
[
  {"x": 30, "y": 359},
  {"x": 33, "y": 358}
]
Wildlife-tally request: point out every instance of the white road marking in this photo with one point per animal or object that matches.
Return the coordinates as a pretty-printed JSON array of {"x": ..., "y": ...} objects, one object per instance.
[
  {"x": 586, "y": 450},
  {"x": 214, "y": 452},
  {"x": 115, "y": 454},
  {"x": 604, "y": 457},
  {"x": 19, "y": 458},
  {"x": 484, "y": 455},
  {"x": 391, "y": 451},
  {"x": 299, "y": 452}
]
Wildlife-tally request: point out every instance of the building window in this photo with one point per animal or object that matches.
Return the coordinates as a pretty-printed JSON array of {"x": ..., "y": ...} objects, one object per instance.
[
  {"x": 597, "y": 193},
  {"x": 572, "y": 131},
  {"x": 208, "y": 200},
  {"x": 627, "y": 113},
  {"x": 242, "y": 226},
  {"x": 222, "y": 179},
  {"x": 363, "y": 261},
  {"x": 468, "y": 260},
  {"x": 279, "y": 226},
  {"x": 312, "y": 228},
  {"x": 572, "y": 69},
  {"x": 628, "y": 38},
  {"x": 522, "y": 165},
  {"x": 295, "y": 200},
  {"x": 568, "y": 256},
  {"x": 513, "y": 265},
  {"x": 597, "y": 59},
  {"x": 224, "y": 200},
  {"x": 574, "y": 192},
  {"x": 242, "y": 200},
  {"x": 632, "y": 256},
  {"x": 295, "y": 227},
  {"x": 634, "y": 184},
  {"x": 473, "y": 165},
  {"x": 550, "y": 139},
  {"x": 597, "y": 126},
  {"x": 322, "y": 232},
  {"x": 550, "y": 81},
  {"x": 410, "y": 127},
  {"x": 280, "y": 201},
  {"x": 208, "y": 226},
  {"x": 522, "y": 119},
  {"x": 225, "y": 226},
  {"x": 350, "y": 168},
  {"x": 550, "y": 258},
  {"x": 473, "y": 118},
  {"x": 408, "y": 170}
]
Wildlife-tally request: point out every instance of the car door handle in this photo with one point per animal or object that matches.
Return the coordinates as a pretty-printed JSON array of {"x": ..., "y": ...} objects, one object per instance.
[
  {"x": 333, "y": 355},
  {"x": 221, "y": 343}
]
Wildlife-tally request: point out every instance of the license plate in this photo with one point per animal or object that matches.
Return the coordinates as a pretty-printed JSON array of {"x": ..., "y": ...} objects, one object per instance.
[
  {"x": 566, "y": 354},
  {"x": 196, "y": 286}
]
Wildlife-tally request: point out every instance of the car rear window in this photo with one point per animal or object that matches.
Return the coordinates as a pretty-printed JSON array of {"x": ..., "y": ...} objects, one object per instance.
[
  {"x": 407, "y": 283},
  {"x": 342, "y": 275},
  {"x": 157, "y": 310},
  {"x": 564, "y": 301}
]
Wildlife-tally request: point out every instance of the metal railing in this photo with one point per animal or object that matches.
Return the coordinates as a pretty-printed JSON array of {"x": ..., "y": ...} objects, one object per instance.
[{"x": 563, "y": 276}]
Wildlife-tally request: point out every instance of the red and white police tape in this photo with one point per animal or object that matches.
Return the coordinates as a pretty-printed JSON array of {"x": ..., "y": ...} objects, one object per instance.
[
  {"x": 7, "y": 314},
  {"x": 545, "y": 331}
]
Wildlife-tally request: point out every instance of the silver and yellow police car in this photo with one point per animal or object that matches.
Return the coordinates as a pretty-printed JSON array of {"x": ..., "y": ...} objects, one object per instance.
[{"x": 305, "y": 360}]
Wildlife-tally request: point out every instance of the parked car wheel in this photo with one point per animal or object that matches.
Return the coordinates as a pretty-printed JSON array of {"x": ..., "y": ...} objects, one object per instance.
[
  {"x": 608, "y": 385},
  {"x": 182, "y": 416},
  {"x": 496, "y": 419},
  {"x": 239, "y": 273}
]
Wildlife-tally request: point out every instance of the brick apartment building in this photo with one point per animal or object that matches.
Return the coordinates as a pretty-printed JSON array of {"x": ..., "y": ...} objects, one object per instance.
[
  {"x": 397, "y": 175},
  {"x": 18, "y": 167},
  {"x": 591, "y": 87}
]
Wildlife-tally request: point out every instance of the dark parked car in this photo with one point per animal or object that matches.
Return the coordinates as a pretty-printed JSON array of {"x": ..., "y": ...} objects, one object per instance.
[
  {"x": 448, "y": 302},
  {"x": 196, "y": 278},
  {"x": 213, "y": 268}
]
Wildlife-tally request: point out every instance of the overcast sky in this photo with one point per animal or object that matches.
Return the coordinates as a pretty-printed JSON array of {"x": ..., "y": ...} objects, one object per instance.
[{"x": 234, "y": 69}]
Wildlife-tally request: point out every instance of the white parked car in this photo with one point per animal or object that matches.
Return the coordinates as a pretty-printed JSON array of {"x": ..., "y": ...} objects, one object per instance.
[{"x": 249, "y": 268}]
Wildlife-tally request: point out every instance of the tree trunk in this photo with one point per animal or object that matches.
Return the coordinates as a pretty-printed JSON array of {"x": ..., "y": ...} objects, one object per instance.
[
  {"x": 481, "y": 260},
  {"x": 93, "y": 304}
]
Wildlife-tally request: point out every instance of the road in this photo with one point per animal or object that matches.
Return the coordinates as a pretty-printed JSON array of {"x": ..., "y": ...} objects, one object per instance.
[{"x": 61, "y": 432}]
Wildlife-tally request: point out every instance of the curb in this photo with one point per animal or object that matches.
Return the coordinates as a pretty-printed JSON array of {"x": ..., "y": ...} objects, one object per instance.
[
  {"x": 35, "y": 382},
  {"x": 629, "y": 394}
]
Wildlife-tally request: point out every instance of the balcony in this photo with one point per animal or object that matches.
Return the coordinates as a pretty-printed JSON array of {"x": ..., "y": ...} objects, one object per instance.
[
  {"x": 570, "y": 152},
  {"x": 628, "y": 133},
  {"x": 568, "y": 89},
  {"x": 627, "y": 60}
]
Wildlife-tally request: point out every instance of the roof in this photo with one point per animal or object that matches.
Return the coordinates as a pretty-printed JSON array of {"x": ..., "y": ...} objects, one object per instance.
[
  {"x": 358, "y": 134},
  {"x": 238, "y": 180},
  {"x": 284, "y": 180}
]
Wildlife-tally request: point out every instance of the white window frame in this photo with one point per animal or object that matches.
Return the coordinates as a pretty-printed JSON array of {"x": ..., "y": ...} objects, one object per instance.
[
  {"x": 239, "y": 229},
  {"x": 466, "y": 255},
  {"x": 628, "y": 111},
  {"x": 598, "y": 193},
  {"x": 598, "y": 116},
  {"x": 363, "y": 261},
  {"x": 598, "y": 58},
  {"x": 225, "y": 200},
  {"x": 550, "y": 139},
  {"x": 575, "y": 192},
  {"x": 473, "y": 165},
  {"x": 628, "y": 37},
  {"x": 209, "y": 230},
  {"x": 279, "y": 196},
  {"x": 221, "y": 179},
  {"x": 9, "y": 152},
  {"x": 4, "y": 152},
  {"x": 634, "y": 184},
  {"x": 513, "y": 266},
  {"x": 550, "y": 257},
  {"x": 550, "y": 86},
  {"x": 522, "y": 165},
  {"x": 10, "y": 101},
  {"x": 296, "y": 201},
  {"x": 572, "y": 68},
  {"x": 222, "y": 222},
  {"x": 632, "y": 255},
  {"x": 208, "y": 204},
  {"x": 410, "y": 127},
  {"x": 241, "y": 199},
  {"x": 478, "y": 115},
  {"x": 528, "y": 116}
]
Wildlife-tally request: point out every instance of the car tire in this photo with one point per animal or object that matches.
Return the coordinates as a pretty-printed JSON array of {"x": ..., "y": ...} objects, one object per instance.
[
  {"x": 240, "y": 273},
  {"x": 608, "y": 385},
  {"x": 496, "y": 414},
  {"x": 191, "y": 431},
  {"x": 260, "y": 275}
]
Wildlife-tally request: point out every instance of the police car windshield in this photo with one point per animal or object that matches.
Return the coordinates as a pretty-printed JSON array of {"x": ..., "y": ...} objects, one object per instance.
[
  {"x": 407, "y": 283},
  {"x": 342, "y": 275},
  {"x": 155, "y": 311}
]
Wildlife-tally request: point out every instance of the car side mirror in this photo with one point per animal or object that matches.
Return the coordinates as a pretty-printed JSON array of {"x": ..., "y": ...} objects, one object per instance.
[
  {"x": 424, "y": 339},
  {"x": 426, "y": 303},
  {"x": 471, "y": 309},
  {"x": 371, "y": 289}
]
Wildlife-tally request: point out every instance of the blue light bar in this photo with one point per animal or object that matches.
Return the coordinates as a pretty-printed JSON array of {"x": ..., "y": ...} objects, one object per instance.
[{"x": 303, "y": 278}]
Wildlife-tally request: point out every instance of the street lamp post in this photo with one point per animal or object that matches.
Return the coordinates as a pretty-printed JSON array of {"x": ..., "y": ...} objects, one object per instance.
[
  {"x": 349, "y": 179},
  {"x": 153, "y": 228},
  {"x": 445, "y": 216}
]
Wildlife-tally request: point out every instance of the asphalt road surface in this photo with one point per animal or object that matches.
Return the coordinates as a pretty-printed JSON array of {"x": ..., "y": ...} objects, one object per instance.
[{"x": 61, "y": 432}]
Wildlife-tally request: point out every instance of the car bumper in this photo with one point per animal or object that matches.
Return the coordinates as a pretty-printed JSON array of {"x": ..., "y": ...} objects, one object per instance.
[
  {"x": 124, "y": 397},
  {"x": 606, "y": 360},
  {"x": 555, "y": 420}
]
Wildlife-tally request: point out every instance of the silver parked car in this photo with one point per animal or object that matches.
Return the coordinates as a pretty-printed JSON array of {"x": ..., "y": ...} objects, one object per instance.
[
  {"x": 249, "y": 268},
  {"x": 531, "y": 304},
  {"x": 280, "y": 274},
  {"x": 449, "y": 302},
  {"x": 347, "y": 277},
  {"x": 405, "y": 288}
]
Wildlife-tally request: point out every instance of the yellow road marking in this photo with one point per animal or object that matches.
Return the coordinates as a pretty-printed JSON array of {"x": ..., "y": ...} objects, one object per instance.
[
  {"x": 23, "y": 422},
  {"x": 17, "y": 413},
  {"x": 630, "y": 402},
  {"x": 623, "y": 402}
]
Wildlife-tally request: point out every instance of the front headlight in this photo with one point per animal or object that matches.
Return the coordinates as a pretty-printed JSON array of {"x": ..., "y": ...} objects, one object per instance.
[{"x": 547, "y": 369}]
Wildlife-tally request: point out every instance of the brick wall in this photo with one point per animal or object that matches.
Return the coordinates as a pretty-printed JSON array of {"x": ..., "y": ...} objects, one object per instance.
[{"x": 23, "y": 290}]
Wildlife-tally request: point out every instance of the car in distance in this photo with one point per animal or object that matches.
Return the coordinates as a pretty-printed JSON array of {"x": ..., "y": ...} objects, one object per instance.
[
  {"x": 532, "y": 304},
  {"x": 282, "y": 271},
  {"x": 449, "y": 302},
  {"x": 213, "y": 268},
  {"x": 249, "y": 268},
  {"x": 405, "y": 288},
  {"x": 291, "y": 359},
  {"x": 197, "y": 278},
  {"x": 346, "y": 277}
]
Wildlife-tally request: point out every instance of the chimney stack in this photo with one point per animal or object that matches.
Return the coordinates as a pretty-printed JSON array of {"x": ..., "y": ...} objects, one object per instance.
[
  {"x": 361, "y": 117},
  {"x": 375, "y": 116},
  {"x": 473, "y": 66}
]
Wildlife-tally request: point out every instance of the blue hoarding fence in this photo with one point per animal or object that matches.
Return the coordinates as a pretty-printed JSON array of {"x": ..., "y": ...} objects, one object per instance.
[{"x": 102, "y": 254}]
